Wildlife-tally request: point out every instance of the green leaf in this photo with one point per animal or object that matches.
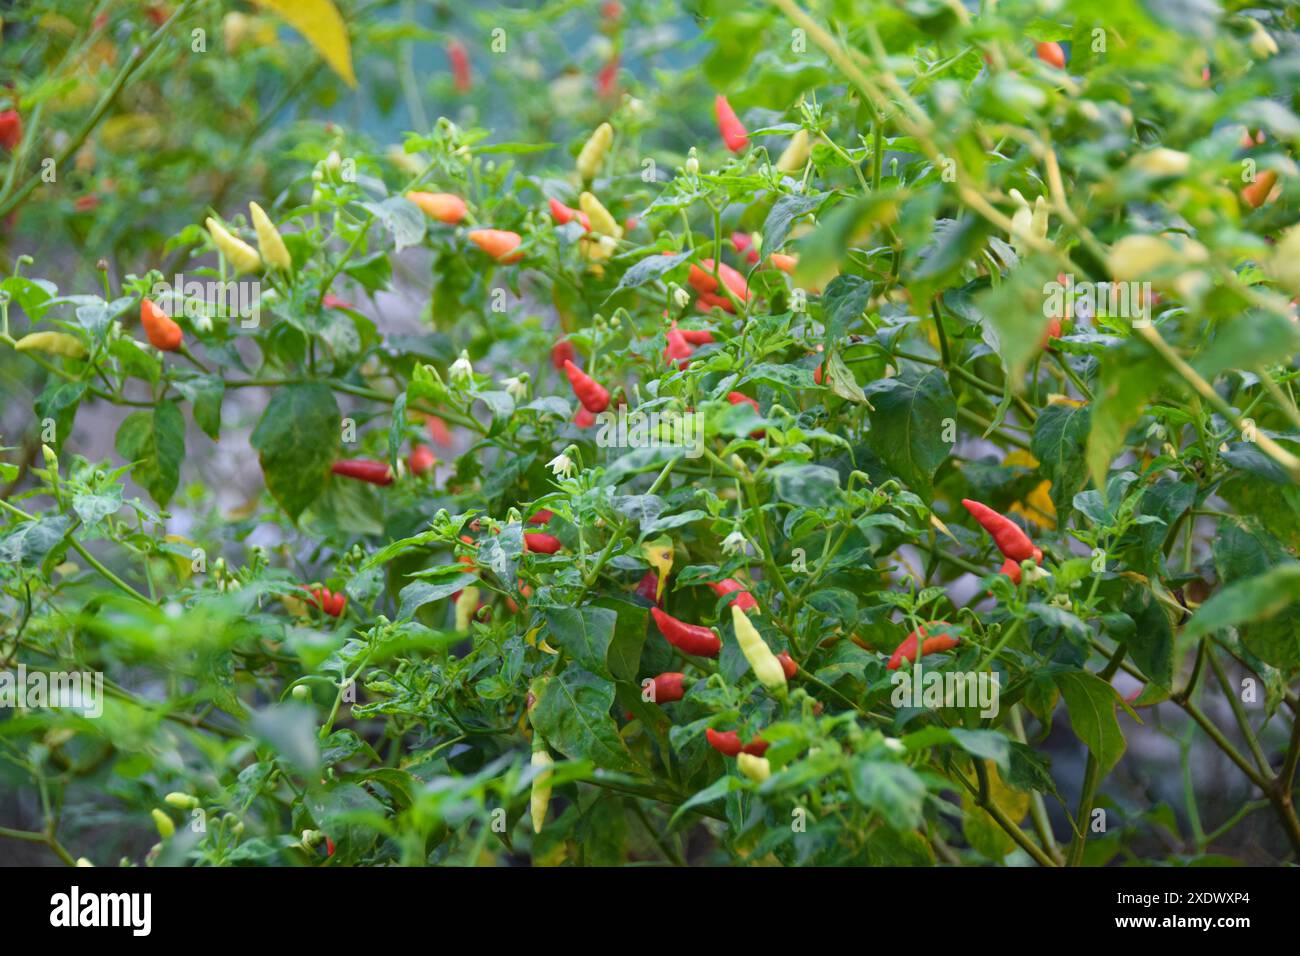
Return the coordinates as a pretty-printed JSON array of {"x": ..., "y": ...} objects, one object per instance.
[
  {"x": 585, "y": 633},
  {"x": 891, "y": 789},
  {"x": 651, "y": 267},
  {"x": 1128, "y": 380},
  {"x": 296, "y": 441},
  {"x": 419, "y": 593},
  {"x": 572, "y": 713},
  {"x": 290, "y": 730},
  {"x": 155, "y": 443},
  {"x": 1014, "y": 317},
  {"x": 908, "y": 424},
  {"x": 1244, "y": 602},
  {"x": 782, "y": 216},
  {"x": 30, "y": 541},
  {"x": 1060, "y": 436},
  {"x": 813, "y": 486},
  {"x": 204, "y": 393},
  {"x": 1091, "y": 703}
]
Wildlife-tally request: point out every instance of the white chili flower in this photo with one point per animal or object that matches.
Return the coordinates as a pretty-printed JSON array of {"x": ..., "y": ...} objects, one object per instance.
[
  {"x": 516, "y": 387},
  {"x": 461, "y": 370},
  {"x": 735, "y": 543},
  {"x": 562, "y": 465}
]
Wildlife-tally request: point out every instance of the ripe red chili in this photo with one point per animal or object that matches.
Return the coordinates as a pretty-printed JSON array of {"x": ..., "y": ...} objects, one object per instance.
[
  {"x": 743, "y": 599},
  {"x": 594, "y": 397},
  {"x": 733, "y": 133},
  {"x": 364, "y": 469},
  {"x": 1051, "y": 53},
  {"x": 1006, "y": 534},
  {"x": 331, "y": 301},
  {"x": 906, "y": 651},
  {"x": 607, "y": 78},
  {"x": 329, "y": 602},
  {"x": 564, "y": 214},
  {"x": 459, "y": 58},
  {"x": 668, "y": 687},
  {"x": 697, "y": 336},
  {"x": 422, "y": 459},
  {"x": 1255, "y": 193},
  {"x": 756, "y": 747},
  {"x": 1011, "y": 569},
  {"x": 542, "y": 543},
  {"x": 724, "y": 742},
  {"x": 678, "y": 349},
  {"x": 562, "y": 351},
  {"x": 691, "y": 638},
  {"x": 329, "y": 846},
  {"x": 11, "y": 129},
  {"x": 161, "y": 331},
  {"x": 438, "y": 431},
  {"x": 702, "y": 281},
  {"x": 740, "y": 398},
  {"x": 788, "y": 665},
  {"x": 648, "y": 587},
  {"x": 585, "y": 417}
]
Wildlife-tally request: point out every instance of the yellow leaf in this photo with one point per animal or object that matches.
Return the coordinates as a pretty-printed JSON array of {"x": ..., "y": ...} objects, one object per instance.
[
  {"x": 319, "y": 21},
  {"x": 934, "y": 520}
]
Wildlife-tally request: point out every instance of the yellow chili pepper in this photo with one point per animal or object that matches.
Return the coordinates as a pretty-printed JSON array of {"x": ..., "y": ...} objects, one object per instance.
[
  {"x": 600, "y": 218},
  {"x": 540, "y": 797},
  {"x": 241, "y": 255},
  {"x": 755, "y": 768},
  {"x": 53, "y": 343},
  {"x": 163, "y": 822},
  {"x": 466, "y": 605},
  {"x": 274, "y": 253},
  {"x": 796, "y": 154},
  {"x": 766, "y": 667},
  {"x": 593, "y": 152}
]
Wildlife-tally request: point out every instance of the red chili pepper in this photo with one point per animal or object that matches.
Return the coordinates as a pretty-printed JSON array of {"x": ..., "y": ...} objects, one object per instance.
[
  {"x": 697, "y": 336},
  {"x": 607, "y": 78},
  {"x": 11, "y": 129},
  {"x": 585, "y": 417},
  {"x": 740, "y": 398},
  {"x": 788, "y": 665},
  {"x": 678, "y": 349},
  {"x": 756, "y": 747},
  {"x": 542, "y": 543},
  {"x": 668, "y": 687},
  {"x": 707, "y": 301},
  {"x": 691, "y": 638},
  {"x": 733, "y": 133},
  {"x": 1006, "y": 534},
  {"x": 329, "y": 846},
  {"x": 1051, "y": 53},
  {"x": 500, "y": 244},
  {"x": 701, "y": 279},
  {"x": 594, "y": 397},
  {"x": 1011, "y": 569},
  {"x": 363, "y": 469},
  {"x": 541, "y": 517},
  {"x": 724, "y": 742},
  {"x": 743, "y": 599},
  {"x": 929, "y": 645},
  {"x": 331, "y": 301},
  {"x": 1052, "y": 331},
  {"x": 459, "y": 58},
  {"x": 563, "y": 214},
  {"x": 648, "y": 587},
  {"x": 1255, "y": 193},
  {"x": 422, "y": 459},
  {"x": 438, "y": 431},
  {"x": 329, "y": 602},
  {"x": 562, "y": 351},
  {"x": 161, "y": 331}
]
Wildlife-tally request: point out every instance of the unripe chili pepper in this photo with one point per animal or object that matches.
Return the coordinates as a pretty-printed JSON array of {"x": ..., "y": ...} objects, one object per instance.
[
  {"x": 755, "y": 768},
  {"x": 668, "y": 687},
  {"x": 783, "y": 262},
  {"x": 52, "y": 343},
  {"x": 181, "y": 801},
  {"x": 444, "y": 207},
  {"x": 465, "y": 604},
  {"x": 724, "y": 742},
  {"x": 593, "y": 152},
  {"x": 743, "y": 599},
  {"x": 1051, "y": 52},
  {"x": 733, "y": 133},
  {"x": 599, "y": 217},
  {"x": 648, "y": 587},
  {"x": 1255, "y": 194},
  {"x": 540, "y": 797},
  {"x": 241, "y": 256},
  {"x": 766, "y": 667},
  {"x": 162, "y": 332},
  {"x": 796, "y": 154},
  {"x": 422, "y": 459},
  {"x": 1006, "y": 534},
  {"x": 364, "y": 469},
  {"x": 166, "y": 828},
  {"x": 274, "y": 252},
  {"x": 500, "y": 244},
  {"x": 459, "y": 60},
  {"x": 11, "y": 129},
  {"x": 542, "y": 543},
  {"x": 593, "y": 396},
  {"x": 690, "y": 638},
  {"x": 787, "y": 665},
  {"x": 562, "y": 215},
  {"x": 906, "y": 651}
]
